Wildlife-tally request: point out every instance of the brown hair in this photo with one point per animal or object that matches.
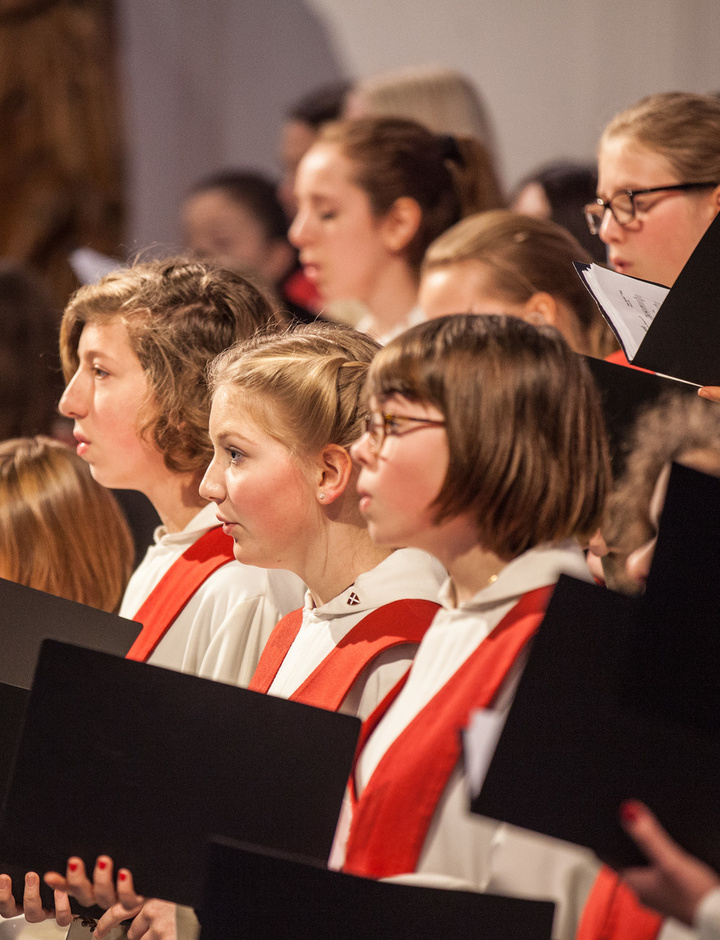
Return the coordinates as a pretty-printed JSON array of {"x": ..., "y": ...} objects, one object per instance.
[
  {"x": 679, "y": 423},
  {"x": 525, "y": 255},
  {"x": 528, "y": 453},
  {"x": 178, "y": 316},
  {"x": 449, "y": 177},
  {"x": 684, "y": 128},
  {"x": 304, "y": 387},
  {"x": 60, "y": 531}
]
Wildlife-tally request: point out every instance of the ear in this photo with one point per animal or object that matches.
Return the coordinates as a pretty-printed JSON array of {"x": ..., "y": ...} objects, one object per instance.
[
  {"x": 400, "y": 224},
  {"x": 542, "y": 309},
  {"x": 716, "y": 200},
  {"x": 335, "y": 467}
]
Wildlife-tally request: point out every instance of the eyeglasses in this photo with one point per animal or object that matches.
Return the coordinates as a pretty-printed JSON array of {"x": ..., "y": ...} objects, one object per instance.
[
  {"x": 623, "y": 206},
  {"x": 379, "y": 426}
]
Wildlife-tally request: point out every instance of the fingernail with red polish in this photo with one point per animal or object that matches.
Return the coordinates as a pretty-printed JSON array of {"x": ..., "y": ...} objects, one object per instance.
[
  {"x": 73, "y": 866},
  {"x": 102, "y": 864},
  {"x": 629, "y": 811},
  {"x": 122, "y": 876}
]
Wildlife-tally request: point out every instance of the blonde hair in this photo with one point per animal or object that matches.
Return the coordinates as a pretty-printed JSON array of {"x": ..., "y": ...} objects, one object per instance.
[
  {"x": 60, "y": 531},
  {"x": 528, "y": 453},
  {"x": 178, "y": 315},
  {"x": 525, "y": 255},
  {"x": 448, "y": 177},
  {"x": 304, "y": 388},
  {"x": 684, "y": 128},
  {"x": 443, "y": 100}
]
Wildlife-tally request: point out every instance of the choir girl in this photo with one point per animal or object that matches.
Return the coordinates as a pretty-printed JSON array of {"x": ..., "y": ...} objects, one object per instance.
[
  {"x": 372, "y": 194},
  {"x": 134, "y": 349},
  {"x": 503, "y": 262}
]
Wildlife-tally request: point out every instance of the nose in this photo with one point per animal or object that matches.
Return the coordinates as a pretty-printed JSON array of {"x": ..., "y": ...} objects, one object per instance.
[
  {"x": 212, "y": 485},
  {"x": 362, "y": 451},
  {"x": 299, "y": 231},
  {"x": 638, "y": 563},
  {"x": 610, "y": 231},
  {"x": 73, "y": 403}
]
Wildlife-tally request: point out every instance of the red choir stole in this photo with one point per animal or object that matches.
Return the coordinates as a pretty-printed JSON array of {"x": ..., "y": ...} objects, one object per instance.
[
  {"x": 394, "y": 624},
  {"x": 170, "y": 595},
  {"x": 392, "y": 817}
]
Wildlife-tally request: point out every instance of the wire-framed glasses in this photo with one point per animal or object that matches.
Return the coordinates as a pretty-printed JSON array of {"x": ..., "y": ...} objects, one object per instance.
[{"x": 378, "y": 426}]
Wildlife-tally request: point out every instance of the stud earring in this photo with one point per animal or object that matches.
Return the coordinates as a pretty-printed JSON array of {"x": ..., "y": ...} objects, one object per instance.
[{"x": 322, "y": 496}]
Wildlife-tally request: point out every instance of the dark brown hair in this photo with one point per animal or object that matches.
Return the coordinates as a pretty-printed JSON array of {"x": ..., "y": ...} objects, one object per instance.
[
  {"x": 449, "y": 177},
  {"x": 528, "y": 453}
]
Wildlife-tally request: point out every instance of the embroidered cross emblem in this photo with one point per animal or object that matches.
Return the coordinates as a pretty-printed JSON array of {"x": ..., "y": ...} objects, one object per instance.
[{"x": 353, "y": 600}]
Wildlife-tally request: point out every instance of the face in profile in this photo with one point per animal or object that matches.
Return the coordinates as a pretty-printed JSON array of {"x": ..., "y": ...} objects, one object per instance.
[
  {"x": 341, "y": 243},
  {"x": 262, "y": 491},
  {"x": 104, "y": 398}
]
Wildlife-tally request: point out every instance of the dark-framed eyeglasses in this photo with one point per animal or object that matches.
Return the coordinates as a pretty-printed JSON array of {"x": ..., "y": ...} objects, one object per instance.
[
  {"x": 623, "y": 207},
  {"x": 378, "y": 426}
]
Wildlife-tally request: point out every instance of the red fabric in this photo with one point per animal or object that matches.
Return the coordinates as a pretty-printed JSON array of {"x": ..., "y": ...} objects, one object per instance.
[
  {"x": 162, "y": 606},
  {"x": 395, "y": 624},
  {"x": 613, "y": 912},
  {"x": 620, "y": 359},
  {"x": 392, "y": 817},
  {"x": 302, "y": 291}
]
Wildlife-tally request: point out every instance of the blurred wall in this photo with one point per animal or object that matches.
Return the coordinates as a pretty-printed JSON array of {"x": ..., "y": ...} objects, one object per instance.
[{"x": 206, "y": 83}]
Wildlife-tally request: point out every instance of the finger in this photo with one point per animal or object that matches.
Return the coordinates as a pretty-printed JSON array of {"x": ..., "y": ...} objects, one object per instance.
[
  {"x": 63, "y": 914},
  {"x": 126, "y": 890},
  {"x": 77, "y": 883},
  {"x": 32, "y": 903},
  {"x": 711, "y": 392},
  {"x": 8, "y": 905},
  {"x": 113, "y": 917},
  {"x": 156, "y": 921},
  {"x": 649, "y": 835},
  {"x": 103, "y": 882}
]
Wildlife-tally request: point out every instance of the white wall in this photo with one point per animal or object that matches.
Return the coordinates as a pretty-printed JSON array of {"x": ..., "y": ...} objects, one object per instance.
[{"x": 207, "y": 82}]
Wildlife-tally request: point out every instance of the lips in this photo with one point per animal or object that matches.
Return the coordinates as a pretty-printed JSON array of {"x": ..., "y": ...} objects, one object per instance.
[{"x": 82, "y": 443}]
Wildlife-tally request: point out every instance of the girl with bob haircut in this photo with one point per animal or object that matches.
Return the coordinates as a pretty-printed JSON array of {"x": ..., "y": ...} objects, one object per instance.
[
  {"x": 372, "y": 194},
  {"x": 658, "y": 183},
  {"x": 60, "y": 531},
  {"x": 485, "y": 446},
  {"x": 134, "y": 349},
  {"x": 503, "y": 262}
]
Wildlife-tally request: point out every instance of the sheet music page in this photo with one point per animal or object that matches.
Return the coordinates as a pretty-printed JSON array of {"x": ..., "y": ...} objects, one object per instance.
[{"x": 627, "y": 303}]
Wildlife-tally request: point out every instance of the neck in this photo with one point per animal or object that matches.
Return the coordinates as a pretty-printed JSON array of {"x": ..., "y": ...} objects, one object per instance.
[
  {"x": 335, "y": 560},
  {"x": 391, "y": 298},
  {"x": 470, "y": 566},
  {"x": 176, "y": 499}
]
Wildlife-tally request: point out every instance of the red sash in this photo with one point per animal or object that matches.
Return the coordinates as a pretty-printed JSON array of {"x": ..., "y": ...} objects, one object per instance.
[
  {"x": 170, "y": 595},
  {"x": 395, "y": 624},
  {"x": 613, "y": 912},
  {"x": 392, "y": 817}
]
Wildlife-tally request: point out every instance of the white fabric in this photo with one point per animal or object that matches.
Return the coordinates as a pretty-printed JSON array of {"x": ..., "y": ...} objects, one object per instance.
[
  {"x": 415, "y": 316},
  {"x": 707, "y": 917},
  {"x": 406, "y": 573},
  {"x": 480, "y": 853},
  {"x": 223, "y": 628}
]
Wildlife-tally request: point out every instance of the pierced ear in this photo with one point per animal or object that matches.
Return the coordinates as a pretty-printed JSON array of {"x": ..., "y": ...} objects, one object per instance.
[
  {"x": 400, "y": 223},
  {"x": 335, "y": 466},
  {"x": 542, "y": 309}
]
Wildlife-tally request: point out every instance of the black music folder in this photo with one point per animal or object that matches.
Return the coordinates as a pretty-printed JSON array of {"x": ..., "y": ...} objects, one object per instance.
[
  {"x": 28, "y": 616},
  {"x": 620, "y": 699},
  {"x": 144, "y": 764},
  {"x": 675, "y": 332},
  {"x": 250, "y": 892}
]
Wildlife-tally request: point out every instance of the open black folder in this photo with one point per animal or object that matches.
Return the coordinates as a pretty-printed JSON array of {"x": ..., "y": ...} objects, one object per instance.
[
  {"x": 28, "y": 616},
  {"x": 254, "y": 893},
  {"x": 620, "y": 698},
  {"x": 145, "y": 764},
  {"x": 682, "y": 336}
]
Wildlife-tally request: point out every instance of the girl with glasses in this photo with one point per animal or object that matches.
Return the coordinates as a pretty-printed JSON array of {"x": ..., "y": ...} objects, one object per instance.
[
  {"x": 495, "y": 461},
  {"x": 658, "y": 183}
]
